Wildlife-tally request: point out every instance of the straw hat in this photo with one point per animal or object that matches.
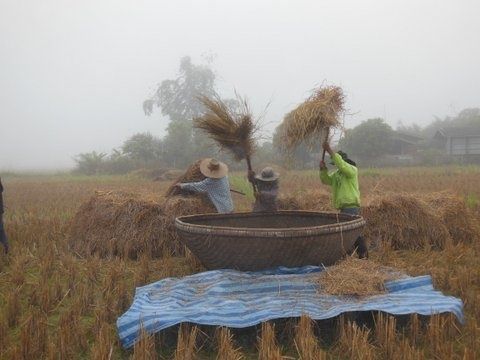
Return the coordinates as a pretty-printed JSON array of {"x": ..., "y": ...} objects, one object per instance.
[
  {"x": 213, "y": 168},
  {"x": 267, "y": 174}
]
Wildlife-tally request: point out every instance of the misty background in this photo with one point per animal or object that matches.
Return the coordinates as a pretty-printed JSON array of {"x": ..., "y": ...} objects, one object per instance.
[{"x": 74, "y": 75}]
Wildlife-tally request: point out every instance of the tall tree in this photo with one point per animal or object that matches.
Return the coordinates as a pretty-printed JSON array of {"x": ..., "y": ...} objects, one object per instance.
[{"x": 178, "y": 99}]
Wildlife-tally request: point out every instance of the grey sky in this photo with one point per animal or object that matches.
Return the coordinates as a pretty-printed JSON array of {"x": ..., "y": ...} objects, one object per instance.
[{"x": 73, "y": 74}]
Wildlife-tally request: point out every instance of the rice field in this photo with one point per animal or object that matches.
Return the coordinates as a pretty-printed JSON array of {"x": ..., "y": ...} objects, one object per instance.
[{"x": 59, "y": 305}]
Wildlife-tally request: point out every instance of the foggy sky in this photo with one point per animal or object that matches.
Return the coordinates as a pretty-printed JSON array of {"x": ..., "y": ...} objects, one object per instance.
[{"x": 73, "y": 74}]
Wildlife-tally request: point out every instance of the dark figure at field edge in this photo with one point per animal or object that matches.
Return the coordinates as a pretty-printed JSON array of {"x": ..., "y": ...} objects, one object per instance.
[
  {"x": 215, "y": 185},
  {"x": 266, "y": 193},
  {"x": 345, "y": 190},
  {"x": 3, "y": 236}
]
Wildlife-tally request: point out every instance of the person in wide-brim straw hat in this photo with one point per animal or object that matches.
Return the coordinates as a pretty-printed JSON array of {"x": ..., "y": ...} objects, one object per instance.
[
  {"x": 212, "y": 168},
  {"x": 266, "y": 184},
  {"x": 215, "y": 185}
]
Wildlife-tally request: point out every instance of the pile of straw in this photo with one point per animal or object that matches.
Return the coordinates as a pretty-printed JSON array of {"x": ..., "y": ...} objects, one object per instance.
[
  {"x": 316, "y": 200},
  {"x": 404, "y": 221},
  {"x": 355, "y": 277},
  {"x": 128, "y": 225},
  {"x": 310, "y": 120},
  {"x": 232, "y": 129},
  {"x": 192, "y": 174},
  {"x": 453, "y": 212}
]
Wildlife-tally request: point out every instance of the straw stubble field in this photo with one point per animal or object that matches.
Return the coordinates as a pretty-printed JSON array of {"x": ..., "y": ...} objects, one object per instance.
[{"x": 56, "y": 304}]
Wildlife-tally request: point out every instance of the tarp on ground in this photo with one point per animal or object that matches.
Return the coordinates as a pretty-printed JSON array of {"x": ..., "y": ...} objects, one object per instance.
[{"x": 241, "y": 299}]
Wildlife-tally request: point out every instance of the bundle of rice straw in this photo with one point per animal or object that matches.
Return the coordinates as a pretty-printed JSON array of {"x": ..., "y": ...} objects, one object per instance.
[
  {"x": 127, "y": 225},
  {"x": 404, "y": 221},
  {"x": 355, "y": 277},
  {"x": 453, "y": 212},
  {"x": 232, "y": 129},
  {"x": 317, "y": 200},
  {"x": 310, "y": 121},
  {"x": 192, "y": 174}
]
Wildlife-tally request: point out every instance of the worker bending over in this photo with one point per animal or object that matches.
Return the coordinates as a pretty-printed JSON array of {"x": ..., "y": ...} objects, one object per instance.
[{"x": 215, "y": 185}]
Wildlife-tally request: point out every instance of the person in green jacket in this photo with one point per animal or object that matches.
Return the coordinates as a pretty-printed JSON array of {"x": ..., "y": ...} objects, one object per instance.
[{"x": 346, "y": 193}]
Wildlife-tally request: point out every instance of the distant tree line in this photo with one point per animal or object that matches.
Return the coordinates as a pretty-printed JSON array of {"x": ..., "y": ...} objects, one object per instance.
[
  {"x": 373, "y": 141},
  {"x": 177, "y": 100},
  {"x": 369, "y": 142}
]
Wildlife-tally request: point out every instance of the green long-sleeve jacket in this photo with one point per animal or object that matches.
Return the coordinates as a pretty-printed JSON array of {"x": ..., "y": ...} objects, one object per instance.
[{"x": 344, "y": 183}]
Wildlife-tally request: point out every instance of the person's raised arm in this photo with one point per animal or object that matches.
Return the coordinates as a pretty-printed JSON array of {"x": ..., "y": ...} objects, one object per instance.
[
  {"x": 199, "y": 186},
  {"x": 324, "y": 176},
  {"x": 344, "y": 167}
]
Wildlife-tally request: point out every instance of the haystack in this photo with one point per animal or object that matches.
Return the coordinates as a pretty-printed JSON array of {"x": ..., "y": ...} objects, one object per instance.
[
  {"x": 453, "y": 212},
  {"x": 355, "y": 277},
  {"x": 310, "y": 121},
  {"x": 192, "y": 174},
  {"x": 126, "y": 225},
  {"x": 404, "y": 221},
  {"x": 316, "y": 200}
]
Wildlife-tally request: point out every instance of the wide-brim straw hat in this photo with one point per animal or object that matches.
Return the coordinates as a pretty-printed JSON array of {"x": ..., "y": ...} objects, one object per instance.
[
  {"x": 267, "y": 175},
  {"x": 213, "y": 168}
]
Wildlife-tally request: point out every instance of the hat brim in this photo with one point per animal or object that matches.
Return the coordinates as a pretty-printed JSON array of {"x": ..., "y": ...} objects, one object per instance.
[
  {"x": 214, "y": 174},
  {"x": 270, "y": 179}
]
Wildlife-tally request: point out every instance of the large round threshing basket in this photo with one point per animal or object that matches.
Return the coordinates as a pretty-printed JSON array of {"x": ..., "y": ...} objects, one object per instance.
[{"x": 255, "y": 241}]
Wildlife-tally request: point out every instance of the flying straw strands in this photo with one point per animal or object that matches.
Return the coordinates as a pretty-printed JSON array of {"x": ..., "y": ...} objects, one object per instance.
[
  {"x": 233, "y": 129},
  {"x": 311, "y": 120}
]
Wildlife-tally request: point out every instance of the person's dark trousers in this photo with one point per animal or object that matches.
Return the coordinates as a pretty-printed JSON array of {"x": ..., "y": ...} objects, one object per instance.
[
  {"x": 3, "y": 236},
  {"x": 360, "y": 243}
]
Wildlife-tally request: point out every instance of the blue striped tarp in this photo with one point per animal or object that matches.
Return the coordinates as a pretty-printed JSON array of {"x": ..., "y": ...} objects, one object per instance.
[{"x": 241, "y": 299}]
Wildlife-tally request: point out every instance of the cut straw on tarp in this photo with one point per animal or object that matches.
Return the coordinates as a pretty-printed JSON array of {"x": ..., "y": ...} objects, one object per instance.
[{"x": 355, "y": 277}]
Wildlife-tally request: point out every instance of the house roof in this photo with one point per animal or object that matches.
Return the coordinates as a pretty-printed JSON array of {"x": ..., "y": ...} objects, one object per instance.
[
  {"x": 407, "y": 138},
  {"x": 457, "y": 132}
]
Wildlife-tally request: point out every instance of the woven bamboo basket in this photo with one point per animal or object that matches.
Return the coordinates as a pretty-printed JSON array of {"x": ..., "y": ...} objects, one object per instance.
[{"x": 256, "y": 241}]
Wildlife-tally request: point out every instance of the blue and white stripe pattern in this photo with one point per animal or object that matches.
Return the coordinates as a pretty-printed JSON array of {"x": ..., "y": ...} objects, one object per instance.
[
  {"x": 217, "y": 190},
  {"x": 241, "y": 299}
]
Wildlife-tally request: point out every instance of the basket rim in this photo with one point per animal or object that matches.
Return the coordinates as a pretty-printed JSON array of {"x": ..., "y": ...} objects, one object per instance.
[{"x": 355, "y": 222}]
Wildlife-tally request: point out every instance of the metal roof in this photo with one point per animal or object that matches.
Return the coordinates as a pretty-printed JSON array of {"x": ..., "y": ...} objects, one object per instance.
[{"x": 466, "y": 131}]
